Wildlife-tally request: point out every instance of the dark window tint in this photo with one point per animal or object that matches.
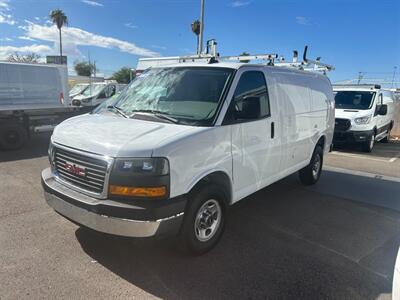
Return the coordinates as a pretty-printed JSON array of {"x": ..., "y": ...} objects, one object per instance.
[
  {"x": 353, "y": 99},
  {"x": 250, "y": 101}
]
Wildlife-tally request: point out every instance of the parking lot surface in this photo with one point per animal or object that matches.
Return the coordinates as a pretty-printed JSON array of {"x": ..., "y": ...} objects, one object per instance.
[{"x": 335, "y": 240}]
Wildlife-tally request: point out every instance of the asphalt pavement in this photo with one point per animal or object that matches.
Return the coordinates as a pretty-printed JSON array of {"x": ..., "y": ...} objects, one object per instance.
[{"x": 335, "y": 240}]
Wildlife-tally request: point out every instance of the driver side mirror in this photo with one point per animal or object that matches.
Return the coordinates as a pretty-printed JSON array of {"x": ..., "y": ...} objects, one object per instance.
[
  {"x": 247, "y": 108},
  {"x": 383, "y": 110}
]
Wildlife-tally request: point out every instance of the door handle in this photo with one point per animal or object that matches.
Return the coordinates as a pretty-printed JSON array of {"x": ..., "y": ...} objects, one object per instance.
[{"x": 272, "y": 130}]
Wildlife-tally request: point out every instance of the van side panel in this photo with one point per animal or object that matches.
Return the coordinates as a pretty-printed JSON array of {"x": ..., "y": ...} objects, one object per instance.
[
  {"x": 295, "y": 99},
  {"x": 212, "y": 150},
  {"x": 27, "y": 86}
]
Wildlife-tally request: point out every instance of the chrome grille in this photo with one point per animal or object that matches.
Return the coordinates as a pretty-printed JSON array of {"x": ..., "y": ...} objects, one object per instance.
[{"x": 68, "y": 164}]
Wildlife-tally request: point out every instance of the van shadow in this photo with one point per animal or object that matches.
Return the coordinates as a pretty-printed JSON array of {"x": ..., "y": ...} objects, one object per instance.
[
  {"x": 36, "y": 146},
  {"x": 284, "y": 242}
]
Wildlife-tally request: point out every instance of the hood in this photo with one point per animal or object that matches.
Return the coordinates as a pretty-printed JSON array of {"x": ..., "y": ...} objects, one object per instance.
[
  {"x": 115, "y": 136},
  {"x": 81, "y": 97},
  {"x": 351, "y": 113}
]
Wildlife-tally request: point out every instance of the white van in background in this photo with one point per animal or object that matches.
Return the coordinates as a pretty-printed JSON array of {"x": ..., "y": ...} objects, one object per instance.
[
  {"x": 77, "y": 89},
  {"x": 364, "y": 114},
  {"x": 182, "y": 143},
  {"x": 33, "y": 98},
  {"x": 97, "y": 93}
]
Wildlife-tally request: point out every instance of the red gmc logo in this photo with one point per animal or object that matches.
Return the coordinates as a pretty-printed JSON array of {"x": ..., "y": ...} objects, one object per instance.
[{"x": 75, "y": 169}]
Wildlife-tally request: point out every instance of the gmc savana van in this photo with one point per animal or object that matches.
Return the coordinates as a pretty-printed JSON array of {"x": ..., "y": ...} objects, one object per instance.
[
  {"x": 182, "y": 143},
  {"x": 364, "y": 115}
]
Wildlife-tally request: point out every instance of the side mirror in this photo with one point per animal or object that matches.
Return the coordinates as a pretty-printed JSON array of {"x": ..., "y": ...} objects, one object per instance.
[
  {"x": 248, "y": 108},
  {"x": 383, "y": 110}
]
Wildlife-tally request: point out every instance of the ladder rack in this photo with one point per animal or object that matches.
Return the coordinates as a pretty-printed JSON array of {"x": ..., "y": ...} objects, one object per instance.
[{"x": 211, "y": 56}]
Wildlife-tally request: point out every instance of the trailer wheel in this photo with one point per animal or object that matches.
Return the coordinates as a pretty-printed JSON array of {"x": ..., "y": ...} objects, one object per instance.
[{"x": 13, "y": 137}]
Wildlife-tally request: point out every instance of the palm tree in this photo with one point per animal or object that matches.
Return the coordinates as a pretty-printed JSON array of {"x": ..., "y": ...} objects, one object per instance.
[{"x": 60, "y": 19}]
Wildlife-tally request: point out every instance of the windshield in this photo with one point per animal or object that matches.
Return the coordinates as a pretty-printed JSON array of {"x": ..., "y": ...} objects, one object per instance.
[
  {"x": 188, "y": 94},
  {"x": 78, "y": 88},
  {"x": 354, "y": 99},
  {"x": 93, "y": 90}
]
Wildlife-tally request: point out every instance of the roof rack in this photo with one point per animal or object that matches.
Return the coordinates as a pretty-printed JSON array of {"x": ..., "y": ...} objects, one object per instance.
[
  {"x": 364, "y": 85},
  {"x": 210, "y": 56}
]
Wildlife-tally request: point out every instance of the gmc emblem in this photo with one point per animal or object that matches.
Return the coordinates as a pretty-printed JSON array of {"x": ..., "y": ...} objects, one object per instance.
[{"x": 75, "y": 169}]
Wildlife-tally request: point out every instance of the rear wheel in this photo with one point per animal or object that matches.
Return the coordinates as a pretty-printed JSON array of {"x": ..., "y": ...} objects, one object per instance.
[
  {"x": 310, "y": 174},
  {"x": 369, "y": 145},
  {"x": 204, "y": 220},
  {"x": 12, "y": 137}
]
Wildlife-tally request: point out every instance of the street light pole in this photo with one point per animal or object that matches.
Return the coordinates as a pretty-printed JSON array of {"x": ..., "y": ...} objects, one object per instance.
[{"x": 200, "y": 44}]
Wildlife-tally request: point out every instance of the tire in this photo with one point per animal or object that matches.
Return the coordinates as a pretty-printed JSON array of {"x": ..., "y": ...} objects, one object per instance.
[
  {"x": 13, "y": 137},
  {"x": 310, "y": 174},
  {"x": 369, "y": 145},
  {"x": 386, "y": 139},
  {"x": 204, "y": 220}
]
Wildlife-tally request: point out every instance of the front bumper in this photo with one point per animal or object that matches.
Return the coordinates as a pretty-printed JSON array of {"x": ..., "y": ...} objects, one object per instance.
[
  {"x": 114, "y": 217},
  {"x": 340, "y": 137}
]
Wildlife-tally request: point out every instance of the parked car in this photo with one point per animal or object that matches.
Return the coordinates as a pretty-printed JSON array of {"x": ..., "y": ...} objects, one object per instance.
[
  {"x": 183, "y": 143},
  {"x": 364, "y": 115},
  {"x": 78, "y": 89},
  {"x": 97, "y": 93},
  {"x": 32, "y": 99}
]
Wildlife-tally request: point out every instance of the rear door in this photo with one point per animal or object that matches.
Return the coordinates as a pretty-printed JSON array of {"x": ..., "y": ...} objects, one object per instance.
[{"x": 255, "y": 152}]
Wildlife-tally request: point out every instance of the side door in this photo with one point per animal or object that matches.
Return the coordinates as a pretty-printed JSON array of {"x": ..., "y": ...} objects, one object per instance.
[{"x": 255, "y": 156}]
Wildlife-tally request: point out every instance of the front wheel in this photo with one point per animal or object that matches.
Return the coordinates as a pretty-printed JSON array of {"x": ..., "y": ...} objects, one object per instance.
[
  {"x": 204, "y": 220},
  {"x": 369, "y": 145},
  {"x": 310, "y": 174},
  {"x": 13, "y": 137}
]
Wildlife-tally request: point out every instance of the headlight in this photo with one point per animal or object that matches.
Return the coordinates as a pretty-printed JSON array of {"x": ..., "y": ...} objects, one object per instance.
[
  {"x": 50, "y": 152},
  {"x": 87, "y": 100},
  {"x": 362, "y": 120},
  {"x": 144, "y": 166},
  {"x": 140, "y": 178}
]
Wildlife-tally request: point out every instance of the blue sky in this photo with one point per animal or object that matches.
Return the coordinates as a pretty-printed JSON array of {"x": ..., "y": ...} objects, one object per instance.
[{"x": 353, "y": 35}]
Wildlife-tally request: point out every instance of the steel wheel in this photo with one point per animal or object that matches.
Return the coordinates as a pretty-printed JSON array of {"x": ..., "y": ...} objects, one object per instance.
[
  {"x": 208, "y": 219},
  {"x": 316, "y": 167}
]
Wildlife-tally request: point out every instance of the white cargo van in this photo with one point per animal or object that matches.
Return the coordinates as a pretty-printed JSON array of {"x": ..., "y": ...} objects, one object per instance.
[
  {"x": 182, "y": 143},
  {"x": 364, "y": 115},
  {"x": 77, "y": 89},
  {"x": 33, "y": 97},
  {"x": 97, "y": 93}
]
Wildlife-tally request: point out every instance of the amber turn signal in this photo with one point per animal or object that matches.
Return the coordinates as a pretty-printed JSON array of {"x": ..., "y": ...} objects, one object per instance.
[{"x": 158, "y": 191}]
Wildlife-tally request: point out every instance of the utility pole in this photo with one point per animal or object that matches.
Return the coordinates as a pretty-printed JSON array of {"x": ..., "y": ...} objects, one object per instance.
[
  {"x": 200, "y": 49},
  {"x": 360, "y": 76},
  {"x": 394, "y": 75}
]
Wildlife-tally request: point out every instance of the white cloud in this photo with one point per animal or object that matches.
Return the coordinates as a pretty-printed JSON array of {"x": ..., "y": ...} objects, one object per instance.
[
  {"x": 5, "y": 16},
  {"x": 130, "y": 25},
  {"x": 6, "y": 39},
  {"x": 92, "y": 3},
  {"x": 239, "y": 3},
  {"x": 73, "y": 37},
  {"x": 5, "y": 51},
  {"x": 26, "y": 38},
  {"x": 302, "y": 20}
]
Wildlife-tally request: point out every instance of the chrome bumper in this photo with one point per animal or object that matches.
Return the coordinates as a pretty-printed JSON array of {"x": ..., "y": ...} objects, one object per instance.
[{"x": 103, "y": 223}]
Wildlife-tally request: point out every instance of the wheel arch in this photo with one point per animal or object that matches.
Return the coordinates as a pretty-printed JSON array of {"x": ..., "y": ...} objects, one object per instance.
[{"x": 220, "y": 178}]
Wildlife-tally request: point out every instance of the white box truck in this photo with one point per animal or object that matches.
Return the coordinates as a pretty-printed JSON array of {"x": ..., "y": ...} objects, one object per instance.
[
  {"x": 184, "y": 142},
  {"x": 33, "y": 98}
]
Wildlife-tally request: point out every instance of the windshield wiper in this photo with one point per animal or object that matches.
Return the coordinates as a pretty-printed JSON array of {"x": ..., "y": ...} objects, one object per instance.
[
  {"x": 157, "y": 113},
  {"x": 118, "y": 110}
]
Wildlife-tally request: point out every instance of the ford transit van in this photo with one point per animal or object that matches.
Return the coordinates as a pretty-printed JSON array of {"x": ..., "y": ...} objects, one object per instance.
[{"x": 364, "y": 115}]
